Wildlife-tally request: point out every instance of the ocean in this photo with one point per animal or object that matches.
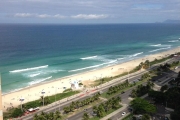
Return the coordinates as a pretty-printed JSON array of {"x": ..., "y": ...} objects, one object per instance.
[{"x": 31, "y": 54}]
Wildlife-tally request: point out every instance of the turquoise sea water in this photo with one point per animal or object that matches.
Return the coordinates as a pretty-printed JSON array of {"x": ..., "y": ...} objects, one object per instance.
[{"x": 30, "y": 54}]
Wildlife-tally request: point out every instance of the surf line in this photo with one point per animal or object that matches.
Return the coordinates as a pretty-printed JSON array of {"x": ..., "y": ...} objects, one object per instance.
[{"x": 27, "y": 69}]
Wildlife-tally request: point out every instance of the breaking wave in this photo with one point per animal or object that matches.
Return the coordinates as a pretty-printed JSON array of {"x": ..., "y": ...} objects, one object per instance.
[
  {"x": 173, "y": 41},
  {"x": 159, "y": 49},
  {"x": 28, "y": 69},
  {"x": 136, "y": 54},
  {"x": 86, "y": 58},
  {"x": 33, "y": 75},
  {"x": 156, "y": 45},
  {"x": 94, "y": 66},
  {"x": 39, "y": 80}
]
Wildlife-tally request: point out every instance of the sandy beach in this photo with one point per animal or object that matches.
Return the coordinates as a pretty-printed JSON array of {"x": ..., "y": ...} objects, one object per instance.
[{"x": 57, "y": 86}]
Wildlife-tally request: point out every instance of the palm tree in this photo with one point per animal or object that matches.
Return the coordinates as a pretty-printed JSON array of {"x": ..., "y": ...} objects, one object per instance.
[
  {"x": 108, "y": 106},
  {"x": 71, "y": 107},
  {"x": 35, "y": 117},
  {"x": 77, "y": 104},
  {"x": 57, "y": 115},
  {"x": 66, "y": 109},
  {"x": 95, "y": 109},
  {"x": 150, "y": 84},
  {"x": 133, "y": 93},
  {"x": 43, "y": 113},
  {"x": 85, "y": 116},
  {"x": 51, "y": 116},
  {"x": 45, "y": 99},
  {"x": 100, "y": 111}
]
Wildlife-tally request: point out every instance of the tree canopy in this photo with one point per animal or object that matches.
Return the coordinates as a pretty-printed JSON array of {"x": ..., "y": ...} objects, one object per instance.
[{"x": 141, "y": 106}]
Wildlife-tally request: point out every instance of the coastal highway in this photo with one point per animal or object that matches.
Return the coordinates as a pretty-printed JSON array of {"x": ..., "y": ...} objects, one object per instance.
[
  {"x": 53, "y": 107},
  {"x": 125, "y": 100}
]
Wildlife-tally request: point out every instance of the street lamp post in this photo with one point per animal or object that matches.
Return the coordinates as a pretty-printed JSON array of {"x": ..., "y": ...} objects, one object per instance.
[
  {"x": 43, "y": 96},
  {"x": 21, "y": 99}
]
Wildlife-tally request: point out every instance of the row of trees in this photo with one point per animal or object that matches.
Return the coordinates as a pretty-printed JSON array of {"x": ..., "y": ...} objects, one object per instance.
[
  {"x": 115, "y": 89},
  {"x": 145, "y": 76},
  {"x": 142, "y": 90},
  {"x": 48, "y": 116},
  {"x": 103, "y": 108},
  {"x": 164, "y": 67},
  {"x": 78, "y": 104}
]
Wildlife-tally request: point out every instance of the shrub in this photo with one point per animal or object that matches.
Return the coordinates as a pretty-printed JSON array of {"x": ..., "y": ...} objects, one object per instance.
[{"x": 16, "y": 113}]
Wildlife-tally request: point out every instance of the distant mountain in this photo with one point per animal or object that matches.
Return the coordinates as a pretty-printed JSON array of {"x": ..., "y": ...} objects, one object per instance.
[{"x": 171, "y": 21}]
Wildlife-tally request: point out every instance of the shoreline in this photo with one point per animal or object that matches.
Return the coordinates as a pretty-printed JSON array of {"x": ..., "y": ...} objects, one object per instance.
[{"x": 87, "y": 76}]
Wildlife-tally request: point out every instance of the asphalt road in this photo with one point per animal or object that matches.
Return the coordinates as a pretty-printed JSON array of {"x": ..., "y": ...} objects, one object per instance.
[
  {"x": 53, "y": 107},
  {"x": 124, "y": 97}
]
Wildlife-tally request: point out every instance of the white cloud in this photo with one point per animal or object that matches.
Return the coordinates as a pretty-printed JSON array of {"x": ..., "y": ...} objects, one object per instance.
[
  {"x": 44, "y": 16},
  {"x": 59, "y": 16},
  {"x": 90, "y": 16},
  {"x": 25, "y": 15}
]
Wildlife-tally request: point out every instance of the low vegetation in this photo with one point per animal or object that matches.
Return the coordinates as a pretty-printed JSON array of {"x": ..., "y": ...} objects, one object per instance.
[
  {"x": 117, "y": 88},
  {"x": 78, "y": 104},
  {"x": 16, "y": 112},
  {"x": 48, "y": 116},
  {"x": 102, "y": 109}
]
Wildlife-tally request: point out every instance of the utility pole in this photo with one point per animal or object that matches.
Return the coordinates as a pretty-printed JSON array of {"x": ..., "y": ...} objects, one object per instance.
[{"x": 1, "y": 111}]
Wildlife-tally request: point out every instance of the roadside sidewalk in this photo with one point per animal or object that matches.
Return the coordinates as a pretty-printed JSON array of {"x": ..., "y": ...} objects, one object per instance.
[{"x": 115, "y": 112}]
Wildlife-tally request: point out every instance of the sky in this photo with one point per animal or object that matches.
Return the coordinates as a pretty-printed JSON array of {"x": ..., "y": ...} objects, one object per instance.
[{"x": 88, "y": 11}]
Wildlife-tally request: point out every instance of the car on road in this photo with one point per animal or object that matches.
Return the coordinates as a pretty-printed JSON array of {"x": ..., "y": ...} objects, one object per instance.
[
  {"x": 176, "y": 68},
  {"x": 139, "y": 116},
  {"x": 93, "y": 114},
  {"x": 122, "y": 92},
  {"x": 85, "y": 109},
  {"x": 123, "y": 113}
]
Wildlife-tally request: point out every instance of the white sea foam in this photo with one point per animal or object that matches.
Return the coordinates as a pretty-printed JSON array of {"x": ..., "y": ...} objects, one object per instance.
[
  {"x": 156, "y": 45},
  {"x": 94, "y": 66},
  {"x": 39, "y": 80},
  {"x": 91, "y": 57},
  {"x": 173, "y": 41},
  {"x": 33, "y": 75},
  {"x": 28, "y": 69},
  {"x": 51, "y": 71},
  {"x": 136, "y": 54},
  {"x": 159, "y": 49},
  {"x": 120, "y": 58}
]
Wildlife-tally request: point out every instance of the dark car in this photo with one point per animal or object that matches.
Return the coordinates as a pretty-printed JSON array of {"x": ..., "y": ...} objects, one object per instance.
[{"x": 122, "y": 92}]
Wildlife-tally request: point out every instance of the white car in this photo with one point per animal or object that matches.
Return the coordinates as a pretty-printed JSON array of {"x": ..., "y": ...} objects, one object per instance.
[{"x": 123, "y": 113}]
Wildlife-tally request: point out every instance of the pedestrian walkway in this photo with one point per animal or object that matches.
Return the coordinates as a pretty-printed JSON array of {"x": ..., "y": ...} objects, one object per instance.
[{"x": 115, "y": 112}]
